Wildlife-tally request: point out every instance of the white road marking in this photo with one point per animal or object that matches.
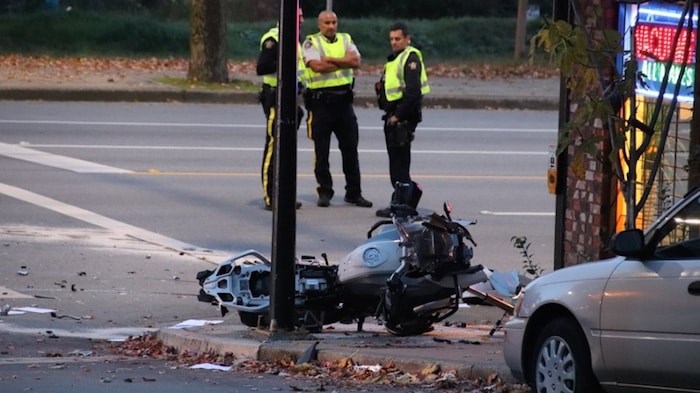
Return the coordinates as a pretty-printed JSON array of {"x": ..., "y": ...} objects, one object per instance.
[
  {"x": 257, "y": 149},
  {"x": 56, "y": 161},
  {"x": 99, "y": 220},
  {"x": 224, "y": 125},
  {"x": 531, "y": 214},
  {"x": 7, "y": 293}
]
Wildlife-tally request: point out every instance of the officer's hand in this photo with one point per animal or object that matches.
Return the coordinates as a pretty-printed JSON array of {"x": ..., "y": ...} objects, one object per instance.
[{"x": 393, "y": 120}]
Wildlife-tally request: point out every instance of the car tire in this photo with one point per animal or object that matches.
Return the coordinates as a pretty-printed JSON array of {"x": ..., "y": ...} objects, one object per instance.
[{"x": 561, "y": 361}]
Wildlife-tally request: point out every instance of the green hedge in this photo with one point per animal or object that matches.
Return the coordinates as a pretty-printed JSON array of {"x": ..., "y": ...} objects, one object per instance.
[{"x": 105, "y": 34}]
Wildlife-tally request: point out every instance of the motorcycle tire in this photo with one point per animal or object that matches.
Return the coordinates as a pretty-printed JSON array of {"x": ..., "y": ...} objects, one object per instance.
[
  {"x": 253, "y": 320},
  {"x": 416, "y": 327}
]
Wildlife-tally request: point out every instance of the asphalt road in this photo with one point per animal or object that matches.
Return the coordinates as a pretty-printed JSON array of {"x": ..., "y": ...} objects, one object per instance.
[
  {"x": 80, "y": 181},
  {"x": 190, "y": 173}
]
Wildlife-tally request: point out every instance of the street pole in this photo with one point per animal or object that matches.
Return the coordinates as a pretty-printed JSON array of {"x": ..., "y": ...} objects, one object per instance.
[
  {"x": 562, "y": 11},
  {"x": 694, "y": 143},
  {"x": 329, "y": 5},
  {"x": 285, "y": 169}
]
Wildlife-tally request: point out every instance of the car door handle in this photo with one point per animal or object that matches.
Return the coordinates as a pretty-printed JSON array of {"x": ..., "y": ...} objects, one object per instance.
[{"x": 694, "y": 288}]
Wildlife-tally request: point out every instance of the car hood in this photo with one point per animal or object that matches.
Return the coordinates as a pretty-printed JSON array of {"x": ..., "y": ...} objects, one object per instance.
[{"x": 586, "y": 271}]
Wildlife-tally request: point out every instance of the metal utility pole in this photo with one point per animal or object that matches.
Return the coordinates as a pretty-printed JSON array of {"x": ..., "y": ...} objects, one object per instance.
[
  {"x": 562, "y": 11},
  {"x": 694, "y": 148},
  {"x": 520, "y": 24},
  {"x": 329, "y": 5},
  {"x": 285, "y": 187}
]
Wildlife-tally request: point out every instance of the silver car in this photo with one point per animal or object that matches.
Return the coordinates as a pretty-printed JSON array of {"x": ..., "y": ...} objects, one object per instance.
[{"x": 625, "y": 324}]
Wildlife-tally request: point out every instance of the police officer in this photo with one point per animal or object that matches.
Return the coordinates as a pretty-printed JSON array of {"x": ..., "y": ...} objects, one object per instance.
[
  {"x": 405, "y": 82},
  {"x": 267, "y": 68},
  {"x": 330, "y": 58}
]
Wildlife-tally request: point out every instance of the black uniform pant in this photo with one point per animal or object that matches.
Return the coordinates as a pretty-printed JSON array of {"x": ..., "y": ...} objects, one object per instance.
[
  {"x": 268, "y": 100},
  {"x": 398, "y": 139},
  {"x": 333, "y": 114}
]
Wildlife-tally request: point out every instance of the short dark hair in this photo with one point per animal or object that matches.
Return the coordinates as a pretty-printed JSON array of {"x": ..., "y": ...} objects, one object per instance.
[{"x": 400, "y": 26}]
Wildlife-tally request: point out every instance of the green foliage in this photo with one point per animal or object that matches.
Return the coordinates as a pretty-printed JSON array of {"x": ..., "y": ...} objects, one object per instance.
[
  {"x": 100, "y": 33},
  {"x": 258, "y": 10},
  {"x": 90, "y": 33},
  {"x": 423, "y": 9},
  {"x": 587, "y": 65},
  {"x": 529, "y": 265}
]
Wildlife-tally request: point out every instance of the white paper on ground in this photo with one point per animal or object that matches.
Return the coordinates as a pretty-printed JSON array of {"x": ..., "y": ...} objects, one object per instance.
[
  {"x": 195, "y": 323},
  {"x": 209, "y": 366},
  {"x": 33, "y": 309}
]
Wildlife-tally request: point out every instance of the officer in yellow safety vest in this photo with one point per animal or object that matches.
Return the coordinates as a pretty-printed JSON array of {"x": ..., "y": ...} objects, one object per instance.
[
  {"x": 267, "y": 68},
  {"x": 330, "y": 58},
  {"x": 400, "y": 93}
]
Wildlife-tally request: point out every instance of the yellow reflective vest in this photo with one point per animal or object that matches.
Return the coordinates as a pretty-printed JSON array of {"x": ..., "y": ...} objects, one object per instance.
[
  {"x": 271, "y": 79},
  {"x": 341, "y": 77},
  {"x": 394, "y": 81}
]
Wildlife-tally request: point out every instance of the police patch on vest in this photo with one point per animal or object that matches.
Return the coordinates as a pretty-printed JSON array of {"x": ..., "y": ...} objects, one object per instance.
[
  {"x": 413, "y": 65},
  {"x": 307, "y": 44}
]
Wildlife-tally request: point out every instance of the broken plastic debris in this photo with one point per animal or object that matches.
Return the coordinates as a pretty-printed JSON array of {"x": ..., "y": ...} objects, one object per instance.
[
  {"x": 78, "y": 352},
  {"x": 210, "y": 366},
  {"x": 23, "y": 272},
  {"x": 195, "y": 323},
  {"x": 55, "y": 315}
]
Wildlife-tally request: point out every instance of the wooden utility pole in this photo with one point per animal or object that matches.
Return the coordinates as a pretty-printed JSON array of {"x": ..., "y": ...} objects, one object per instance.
[{"x": 520, "y": 24}]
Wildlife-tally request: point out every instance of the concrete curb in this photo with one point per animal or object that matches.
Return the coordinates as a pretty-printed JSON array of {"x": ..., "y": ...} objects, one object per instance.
[
  {"x": 233, "y": 340},
  {"x": 196, "y": 342},
  {"x": 202, "y": 96}
]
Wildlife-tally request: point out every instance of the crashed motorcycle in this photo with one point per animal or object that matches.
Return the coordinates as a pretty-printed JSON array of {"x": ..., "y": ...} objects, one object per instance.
[{"x": 410, "y": 273}]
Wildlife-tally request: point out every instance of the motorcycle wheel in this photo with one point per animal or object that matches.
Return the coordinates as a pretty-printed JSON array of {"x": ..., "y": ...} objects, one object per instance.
[
  {"x": 415, "y": 327},
  {"x": 252, "y": 319}
]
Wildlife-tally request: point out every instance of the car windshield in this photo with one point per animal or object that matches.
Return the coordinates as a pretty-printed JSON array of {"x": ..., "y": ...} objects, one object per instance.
[{"x": 679, "y": 236}]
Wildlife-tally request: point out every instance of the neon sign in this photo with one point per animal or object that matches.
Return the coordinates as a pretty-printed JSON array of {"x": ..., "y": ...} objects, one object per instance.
[
  {"x": 655, "y": 42},
  {"x": 655, "y": 27}
]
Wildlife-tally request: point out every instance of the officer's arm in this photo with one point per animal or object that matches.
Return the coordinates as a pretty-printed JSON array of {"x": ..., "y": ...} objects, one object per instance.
[
  {"x": 350, "y": 60},
  {"x": 267, "y": 58},
  {"x": 411, "y": 95},
  {"x": 322, "y": 66}
]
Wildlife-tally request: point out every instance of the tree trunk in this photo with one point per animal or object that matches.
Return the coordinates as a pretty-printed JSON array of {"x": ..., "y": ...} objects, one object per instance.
[{"x": 208, "y": 42}]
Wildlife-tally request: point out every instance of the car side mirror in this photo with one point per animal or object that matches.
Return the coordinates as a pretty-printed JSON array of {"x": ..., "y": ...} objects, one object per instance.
[{"x": 628, "y": 243}]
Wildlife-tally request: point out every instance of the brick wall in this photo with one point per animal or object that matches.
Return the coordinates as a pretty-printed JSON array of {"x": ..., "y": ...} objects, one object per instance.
[{"x": 588, "y": 221}]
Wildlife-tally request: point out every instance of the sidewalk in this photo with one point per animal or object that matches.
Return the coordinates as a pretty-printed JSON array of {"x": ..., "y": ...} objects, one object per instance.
[{"x": 144, "y": 86}]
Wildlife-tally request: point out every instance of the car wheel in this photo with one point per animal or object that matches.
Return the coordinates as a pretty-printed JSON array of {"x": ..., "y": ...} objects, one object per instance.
[{"x": 562, "y": 361}]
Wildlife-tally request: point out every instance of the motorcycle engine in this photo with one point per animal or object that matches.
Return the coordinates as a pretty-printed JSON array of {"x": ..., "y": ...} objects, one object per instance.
[{"x": 440, "y": 251}]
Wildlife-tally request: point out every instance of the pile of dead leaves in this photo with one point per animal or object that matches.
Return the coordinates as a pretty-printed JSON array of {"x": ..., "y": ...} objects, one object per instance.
[
  {"x": 14, "y": 66},
  {"x": 341, "y": 372}
]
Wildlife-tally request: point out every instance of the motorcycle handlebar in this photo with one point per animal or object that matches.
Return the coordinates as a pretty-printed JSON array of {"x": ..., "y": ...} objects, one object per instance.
[{"x": 377, "y": 225}]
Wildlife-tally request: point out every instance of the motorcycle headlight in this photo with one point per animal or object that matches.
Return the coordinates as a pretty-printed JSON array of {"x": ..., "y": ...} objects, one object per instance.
[{"x": 373, "y": 257}]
